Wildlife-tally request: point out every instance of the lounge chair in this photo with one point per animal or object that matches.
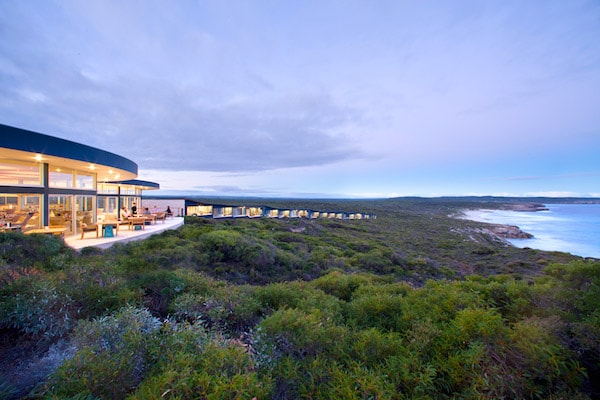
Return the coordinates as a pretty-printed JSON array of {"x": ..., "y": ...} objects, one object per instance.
[
  {"x": 83, "y": 227},
  {"x": 160, "y": 216}
]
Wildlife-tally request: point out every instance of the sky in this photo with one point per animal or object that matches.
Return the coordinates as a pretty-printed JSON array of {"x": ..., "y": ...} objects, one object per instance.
[{"x": 317, "y": 98}]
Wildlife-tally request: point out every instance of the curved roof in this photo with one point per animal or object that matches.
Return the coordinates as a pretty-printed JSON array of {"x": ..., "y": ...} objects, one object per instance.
[
  {"x": 145, "y": 185},
  {"x": 19, "y": 144}
]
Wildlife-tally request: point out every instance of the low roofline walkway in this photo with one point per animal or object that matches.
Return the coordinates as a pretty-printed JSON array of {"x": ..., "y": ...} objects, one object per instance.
[{"x": 124, "y": 235}]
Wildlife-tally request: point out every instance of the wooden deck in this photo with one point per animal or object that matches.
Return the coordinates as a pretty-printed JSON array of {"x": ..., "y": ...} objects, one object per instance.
[{"x": 124, "y": 235}]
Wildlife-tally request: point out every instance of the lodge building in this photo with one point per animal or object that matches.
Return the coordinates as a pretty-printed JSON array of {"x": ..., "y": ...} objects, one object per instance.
[
  {"x": 48, "y": 185},
  {"x": 52, "y": 183}
]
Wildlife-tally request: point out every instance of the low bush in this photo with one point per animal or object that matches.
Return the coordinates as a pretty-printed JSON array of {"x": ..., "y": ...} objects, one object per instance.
[
  {"x": 37, "y": 308},
  {"x": 40, "y": 251},
  {"x": 193, "y": 364},
  {"x": 159, "y": 288},
  {"x": 112, "y": 356},
  {"x": 380, "y": 310},
  {"x": 96, "y": 288},
  {"x": 361, "y": 317},
  {"x": 342, "y": 285},
  {"x": 300, "y": 334},
  {"x": 297, "y": 295},
  {"x": 231, "y": 309}
]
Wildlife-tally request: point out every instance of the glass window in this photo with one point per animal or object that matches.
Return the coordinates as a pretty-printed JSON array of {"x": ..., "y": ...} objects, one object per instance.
[
  {"x": 31, "y": 202},
  {"x": 84, "y": 210},
  {"x": 127, "y": 202},
  {"x": 85, "y": 181},
  {"x": 60, "y": 211},
  {"x": 128, "y": 190},
  {"x": 107, "y": 205},
  {"x": 108, "y": 188},
  {"x": 9, "y": 201},
  {"x": 17, "y": 174},
  {"x": 199, "y": 210},
  {"x": 60, "y": 178}
]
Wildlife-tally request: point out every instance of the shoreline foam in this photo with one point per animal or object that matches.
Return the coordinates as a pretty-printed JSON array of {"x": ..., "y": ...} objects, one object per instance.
[
  {"x": 504, "y": 231},
  {"x": 557, "y": 229}
]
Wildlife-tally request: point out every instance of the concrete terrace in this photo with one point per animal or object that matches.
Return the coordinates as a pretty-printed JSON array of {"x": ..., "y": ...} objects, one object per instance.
[{"x": 124, "y": 235}]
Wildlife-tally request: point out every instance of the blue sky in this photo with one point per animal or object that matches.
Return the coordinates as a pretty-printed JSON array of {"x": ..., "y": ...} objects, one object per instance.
[{"x": 317, "y": 98}]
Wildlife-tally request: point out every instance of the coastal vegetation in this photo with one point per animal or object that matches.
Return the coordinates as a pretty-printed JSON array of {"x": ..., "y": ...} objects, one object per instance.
[{"x": 415, "y": 304}]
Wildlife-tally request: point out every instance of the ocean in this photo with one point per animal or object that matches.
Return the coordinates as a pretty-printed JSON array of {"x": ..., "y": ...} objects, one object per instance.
[{"x": 571, "y": 228}]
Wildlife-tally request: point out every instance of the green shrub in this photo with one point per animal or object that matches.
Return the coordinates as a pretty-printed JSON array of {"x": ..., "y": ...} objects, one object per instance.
[
  {"x": 537, "y": 350},
  {"x": 359, "y": 382},
  {"x": 112, "y": 355},
  {"x": 381, "y": 310},
  {"x": 96, "y": 288},
  {"x": 297, "y": 294},
  {"x": 231, "y": 246},
  {"x": 577, "y": 289},
  {"x": 192, "y": 364},
  {"x": 376, "y": 261},
  {"x": 477, "y": 324},
  {"x": 323, "y": 378},
  {"x": 379, "y": 286},
  {"x": 439, "y": 301},
  {"x": 323, "y": 258},
  {"x": 36, "y": 307},
  {"x": 412, "y": 377},
  {"x": 159, "y": 288},
  {"x": 40, "y": 251},
  {"x": 371, "y": 347},
  {"x": 342, "y": 285},
  {"x": 232, "y": 309},
  {"x": 296, "y": 333}
]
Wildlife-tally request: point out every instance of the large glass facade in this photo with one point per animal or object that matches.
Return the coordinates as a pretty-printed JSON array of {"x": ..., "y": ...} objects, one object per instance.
[
  {"x": 65, "y": 178},
  {"x": 73, "y": 197},
  {"x": 20, "y": 211},
  {"x": 53, "y": 184},
  {"x": 129, "y": 201},
  {"x": 85, "y": 180},
  {"x": 112, "y": 197},
  {"x": 15, "y": 173},
  {"x": 84, "y": 211},
  {"x": 108, "y": 207},
  {"x": 58, "y": 178},
  {"x": 108, "y": 188},
  {"x": 200, "y": 210},
  {"x": 26, "y": 211},
  {"x": 61, "y": 212}
]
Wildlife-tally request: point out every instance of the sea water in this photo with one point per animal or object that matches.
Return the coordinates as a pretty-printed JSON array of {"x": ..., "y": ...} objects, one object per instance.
[{"x": 571, "y": 228}]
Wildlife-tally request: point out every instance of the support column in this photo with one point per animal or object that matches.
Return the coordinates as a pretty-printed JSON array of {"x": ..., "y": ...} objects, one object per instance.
[{"x": 44, "y": 212}]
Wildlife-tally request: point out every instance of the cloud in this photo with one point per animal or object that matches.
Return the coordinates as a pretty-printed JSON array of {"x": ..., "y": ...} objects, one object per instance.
[
  {"x": 170, "y": 99},
  {"x": 161, "y": 125}
]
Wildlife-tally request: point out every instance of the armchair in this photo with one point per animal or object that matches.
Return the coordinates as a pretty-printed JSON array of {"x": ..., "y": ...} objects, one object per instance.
[{"x": 83, "y": 227}]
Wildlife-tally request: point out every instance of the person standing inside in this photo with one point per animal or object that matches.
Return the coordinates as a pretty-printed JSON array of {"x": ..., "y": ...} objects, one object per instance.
[{"x": 134, "y": 209}]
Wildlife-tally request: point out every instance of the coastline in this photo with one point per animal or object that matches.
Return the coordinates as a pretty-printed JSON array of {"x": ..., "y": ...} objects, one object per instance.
[
  {"x": 569, "y": 228},
  {"x": 502, "y": 232},
  {"x": 526, "y": 207}
]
